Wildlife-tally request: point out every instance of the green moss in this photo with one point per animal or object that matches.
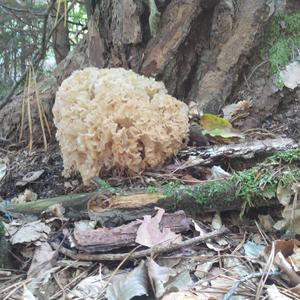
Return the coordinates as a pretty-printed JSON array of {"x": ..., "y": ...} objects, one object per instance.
[
  {"x": 249, "y": 185},
  {"x": 289, "y": 156},
  {"x": 284, "y": 39}
]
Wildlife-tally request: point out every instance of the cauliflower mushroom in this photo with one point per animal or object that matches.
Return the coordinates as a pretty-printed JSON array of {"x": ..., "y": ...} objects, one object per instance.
[{"x": 116, "y": 119}]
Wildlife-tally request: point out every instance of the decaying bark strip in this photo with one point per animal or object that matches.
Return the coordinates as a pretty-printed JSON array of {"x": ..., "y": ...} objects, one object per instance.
[
  {"x": 107, "y": 239},
  {"x": 132, "y": 256}
]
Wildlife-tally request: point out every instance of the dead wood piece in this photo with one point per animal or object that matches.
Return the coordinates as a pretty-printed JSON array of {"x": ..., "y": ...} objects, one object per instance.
[
  {"x": 73, "y": 201},
  {"x": 119, "y": 209},
  {"x": 245, "y": 150},
  {"x": 143, "y": 253},
  {"x": 106, "y": 239}
]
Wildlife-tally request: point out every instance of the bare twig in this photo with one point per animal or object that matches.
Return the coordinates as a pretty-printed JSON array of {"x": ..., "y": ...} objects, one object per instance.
[
  {"x": 255, "y": 68},
  {"x": 267, "y": 271},
  {"x": 29, "y": 111}
]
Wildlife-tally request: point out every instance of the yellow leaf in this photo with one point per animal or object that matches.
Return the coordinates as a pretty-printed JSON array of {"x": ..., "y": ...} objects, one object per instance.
[{"x": 219, "y": 128}]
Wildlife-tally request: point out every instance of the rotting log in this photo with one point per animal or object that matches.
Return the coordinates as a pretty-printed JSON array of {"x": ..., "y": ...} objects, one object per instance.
[{"x": 188, "y": 199}]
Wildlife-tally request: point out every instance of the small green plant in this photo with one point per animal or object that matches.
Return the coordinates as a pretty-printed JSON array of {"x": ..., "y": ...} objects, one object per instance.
[
  {"x": 279, "y": 83},
  {"x": 170, "y": 189},
  {"x": 152, "y": 189},
  {"x": 103, "y": 185}
]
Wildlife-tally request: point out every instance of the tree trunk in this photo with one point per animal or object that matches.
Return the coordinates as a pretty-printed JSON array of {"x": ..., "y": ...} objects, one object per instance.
[
  {"x": 61, "y": 43},
  {"x": 198, "y": 49}
]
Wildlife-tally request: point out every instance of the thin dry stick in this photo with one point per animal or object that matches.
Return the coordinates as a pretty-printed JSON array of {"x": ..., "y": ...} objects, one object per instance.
[
  {"x": 70, "y": 284},
  {"x": 240, "y": 245},
  {"x": 57, "y": 12},
  {"x": 62, "y": 289},
  {"x": 23, "y": 109},
  {"x": 46, "y": 121},
  {"x": 262, "y": 233},
  {"x": 65, "y": 13},
  {"x": 293, "y": 213},
  {"x": 152, "y": 251},
  {"x": 17, "y": 286},
  {"x": 29, "y": 111},
  {"x": 266, "y": 272},
  {"x": 38, "y": 103},
  {"x": 119, "y": 266}
]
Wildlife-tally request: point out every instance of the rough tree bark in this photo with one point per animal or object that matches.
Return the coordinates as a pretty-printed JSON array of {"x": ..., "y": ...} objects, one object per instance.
[
  {"x": 199, "y": 49},
  {"x": 61, "y": 42}
]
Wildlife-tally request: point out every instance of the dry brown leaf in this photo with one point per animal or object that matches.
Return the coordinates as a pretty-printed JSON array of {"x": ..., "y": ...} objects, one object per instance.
[
  {"x": 149, "y": 233},
  {"x": 231, "y": 111},
  {"x": 42, "y": 259},
  {"x": 89, "y": 288},
  {"x": 129, "y": 285},
  {"x": 266, "y": 222},
  {"x": 31, "y": 232},
  {"x": 164, "y": 279},
  {"x": 285, "y": 247}
]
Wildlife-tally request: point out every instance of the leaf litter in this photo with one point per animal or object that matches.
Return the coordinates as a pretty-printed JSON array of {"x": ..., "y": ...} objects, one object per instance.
[{"x": 67, "y": 255}]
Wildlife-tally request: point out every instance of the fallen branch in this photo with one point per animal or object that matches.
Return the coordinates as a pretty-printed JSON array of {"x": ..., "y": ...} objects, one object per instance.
[
  {"x": 246, "y": 150},
  {"x": 73, "y": 201},
  {"x": 244, "y": 188},
  {"x": 152, "y": 251}
]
